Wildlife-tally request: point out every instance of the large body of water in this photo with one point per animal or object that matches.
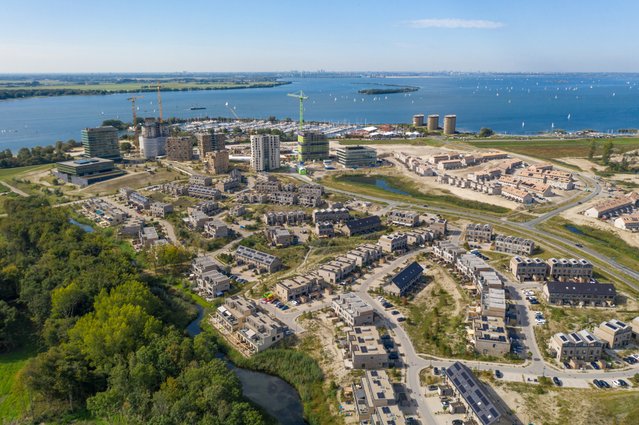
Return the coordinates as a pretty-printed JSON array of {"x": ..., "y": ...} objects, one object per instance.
[{"x": 508, "y": 103}]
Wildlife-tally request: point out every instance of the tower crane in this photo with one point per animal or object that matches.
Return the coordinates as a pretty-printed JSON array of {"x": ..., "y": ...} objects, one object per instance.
[
  {"x": 302, "y": 98},
  {"x": 158, "y": 86},
  {"x": 132, "y": 99}
]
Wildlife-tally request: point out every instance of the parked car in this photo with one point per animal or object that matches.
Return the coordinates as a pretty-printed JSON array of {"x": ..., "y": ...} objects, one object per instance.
[
  {"x": 435, "y": 371},
  {"x": 557, "y": 381},
  {"x": 401, "y": 319},
  {"x": 498, "y": 374},
  {"x": 394, "y": 312},
  {"x": 432, "y": 388},
  {"x": 597, "y": 383},
  {"x": 622, "y": 383},
  {"x": 594, "y": 365}
]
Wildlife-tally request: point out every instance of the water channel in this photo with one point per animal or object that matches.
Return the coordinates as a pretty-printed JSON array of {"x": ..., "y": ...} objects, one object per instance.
[{"x": 276, "y": 396}]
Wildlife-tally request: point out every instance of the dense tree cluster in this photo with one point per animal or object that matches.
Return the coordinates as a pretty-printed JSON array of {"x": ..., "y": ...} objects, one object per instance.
[
  {"x": 112, "y": 339},
  {"x": 37, "y": 155}
]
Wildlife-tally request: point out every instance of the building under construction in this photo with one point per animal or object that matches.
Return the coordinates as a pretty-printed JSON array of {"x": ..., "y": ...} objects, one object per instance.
[
  {"x": 313, "y": 146},
  {"x": 153, "y": 138}
]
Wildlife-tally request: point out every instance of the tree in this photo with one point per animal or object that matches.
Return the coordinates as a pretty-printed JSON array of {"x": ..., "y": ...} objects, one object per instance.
[
  {"x": 486, "y": 132},
  {"x": 8, "y": 320},
  {"x": 607, "y": 151},
  {"x": 126, "y": 147},
  {"x": 593, "y": 149}
]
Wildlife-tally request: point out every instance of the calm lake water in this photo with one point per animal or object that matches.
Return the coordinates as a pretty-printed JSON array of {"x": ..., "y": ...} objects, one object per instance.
[
  {"x": 276, "y": 396},
  {"x": 511, "y": 103}
]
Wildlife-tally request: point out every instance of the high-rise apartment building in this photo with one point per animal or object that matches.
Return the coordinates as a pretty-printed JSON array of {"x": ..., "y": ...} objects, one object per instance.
[
  {"x": 265, "y": 152},
  {"x": 179, "y": 149},
  {"x": 153, "y": 138},
  {"x": 210, "y": 142},
  {"x": 313, "y": 146},
  {"x": 101, "y": 142}
]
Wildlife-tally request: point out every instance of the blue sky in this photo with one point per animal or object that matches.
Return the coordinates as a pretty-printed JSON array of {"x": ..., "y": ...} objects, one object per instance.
[{"x": 374, "y": 35}]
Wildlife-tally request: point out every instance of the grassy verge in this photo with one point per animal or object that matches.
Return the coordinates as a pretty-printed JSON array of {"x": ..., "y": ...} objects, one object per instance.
[
  {"x": 602, "y": 241},
  {"x": 7, "y": 174},
  {"x": 404, "y": 190},
  {"x": 421, "y": 141},
  {"x": 550, "y": 149}
]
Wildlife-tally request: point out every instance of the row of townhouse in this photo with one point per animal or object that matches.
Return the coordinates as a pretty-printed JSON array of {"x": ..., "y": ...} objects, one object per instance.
[
  {"x": 555, "y": 178},
  {"x": 324, "y": 229},
  {"x": 200, "y": 180},
  {"x": 175, "y": 189},
  {"x": 333, "y": 215},
  {"x": 353, "y": 310},
  {"x": 447, "y": 251},
  {"x": 517, "y": 182},
  {"x": 415, "y": 164},
  {"x": 576, "y": 348},
  {"x": 476, "y": 232},
  {"x": 309, "y": 286},
  {"x": 561, "y": 269},
  {"x": 615, "y": 206},
  {"x": 485, "y": 175},
  {"x": 105, "y": 210},
  {"x": 262, "y": 261},
  {"x": 628, "y": 222},
  {"x": 474, "y": 399},
  {"x": 489, "y": 336},
  {"x": 365, "y": 348},
  {"x": 279, "y": 236},
  {"x": 134, "y": 198},
  {"x": 404, "y": 218},
  {"x": 376, "y": 401},
  {"x": 490, "y": 188},
  {"x": 161, "y": 209},
  {"x": 292, "y": 218},
  {"x": 216, "y": 229},
  {"x": 271, "y": 185},
  {"x": 203, "y": 192},
  {"x": 514, "y": 245},
  {"x": 251, "y": 328},
  {"x": 281, "y": 198},
  {"x": 362, "y": 226},
  {"x": 405, "y": 280},
  {"x": 209, "y": 282},
  {"x": 402, "y": 241},
  {"x": 516, "y": 195},
  {"x": 580, "y": 294},
  {"x": 299, "y": 288}
]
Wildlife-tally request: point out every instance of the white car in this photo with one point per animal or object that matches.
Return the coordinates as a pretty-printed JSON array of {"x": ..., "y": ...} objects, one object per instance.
[{"x": 616, "y": 383}]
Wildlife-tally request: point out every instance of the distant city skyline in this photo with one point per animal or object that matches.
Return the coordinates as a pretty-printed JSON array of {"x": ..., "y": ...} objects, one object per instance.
[{"x": 256, "y": 36}]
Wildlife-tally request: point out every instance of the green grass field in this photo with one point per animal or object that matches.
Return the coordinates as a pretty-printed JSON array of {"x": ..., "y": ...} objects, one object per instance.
[
  {"x": 551, "y": 149},
  {"x": 412, "y": 142},
  {"x": 13, "y": 398},
  {"x": 404, "y": 190},
  {"x": 7, "y": 174}
]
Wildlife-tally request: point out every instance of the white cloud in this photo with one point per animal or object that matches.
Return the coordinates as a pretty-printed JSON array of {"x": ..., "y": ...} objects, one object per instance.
[{"x": 455, "y": 23}]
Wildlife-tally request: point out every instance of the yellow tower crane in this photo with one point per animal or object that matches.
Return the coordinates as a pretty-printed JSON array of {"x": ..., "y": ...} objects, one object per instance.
[
  {"x": 158, "y": 86},
  {"x": 132, "y": 99}
]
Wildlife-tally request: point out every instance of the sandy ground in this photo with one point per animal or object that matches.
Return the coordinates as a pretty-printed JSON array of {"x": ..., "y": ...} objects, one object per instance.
[
  {"x": 429, "y": 184},
  {"x": 437, "y": 275},
  {"x": 573, "y": 216},
  {"x": 583, "y": 163}
]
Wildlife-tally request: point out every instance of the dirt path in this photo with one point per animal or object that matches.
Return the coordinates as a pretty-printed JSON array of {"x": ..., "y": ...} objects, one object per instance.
[{"x": 14, "y": 189}]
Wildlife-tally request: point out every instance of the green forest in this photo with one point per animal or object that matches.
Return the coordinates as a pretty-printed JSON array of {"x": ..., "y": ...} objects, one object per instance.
[
  {"x": 37, "y": 155},
  {"x": 108, "y": 339}
]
